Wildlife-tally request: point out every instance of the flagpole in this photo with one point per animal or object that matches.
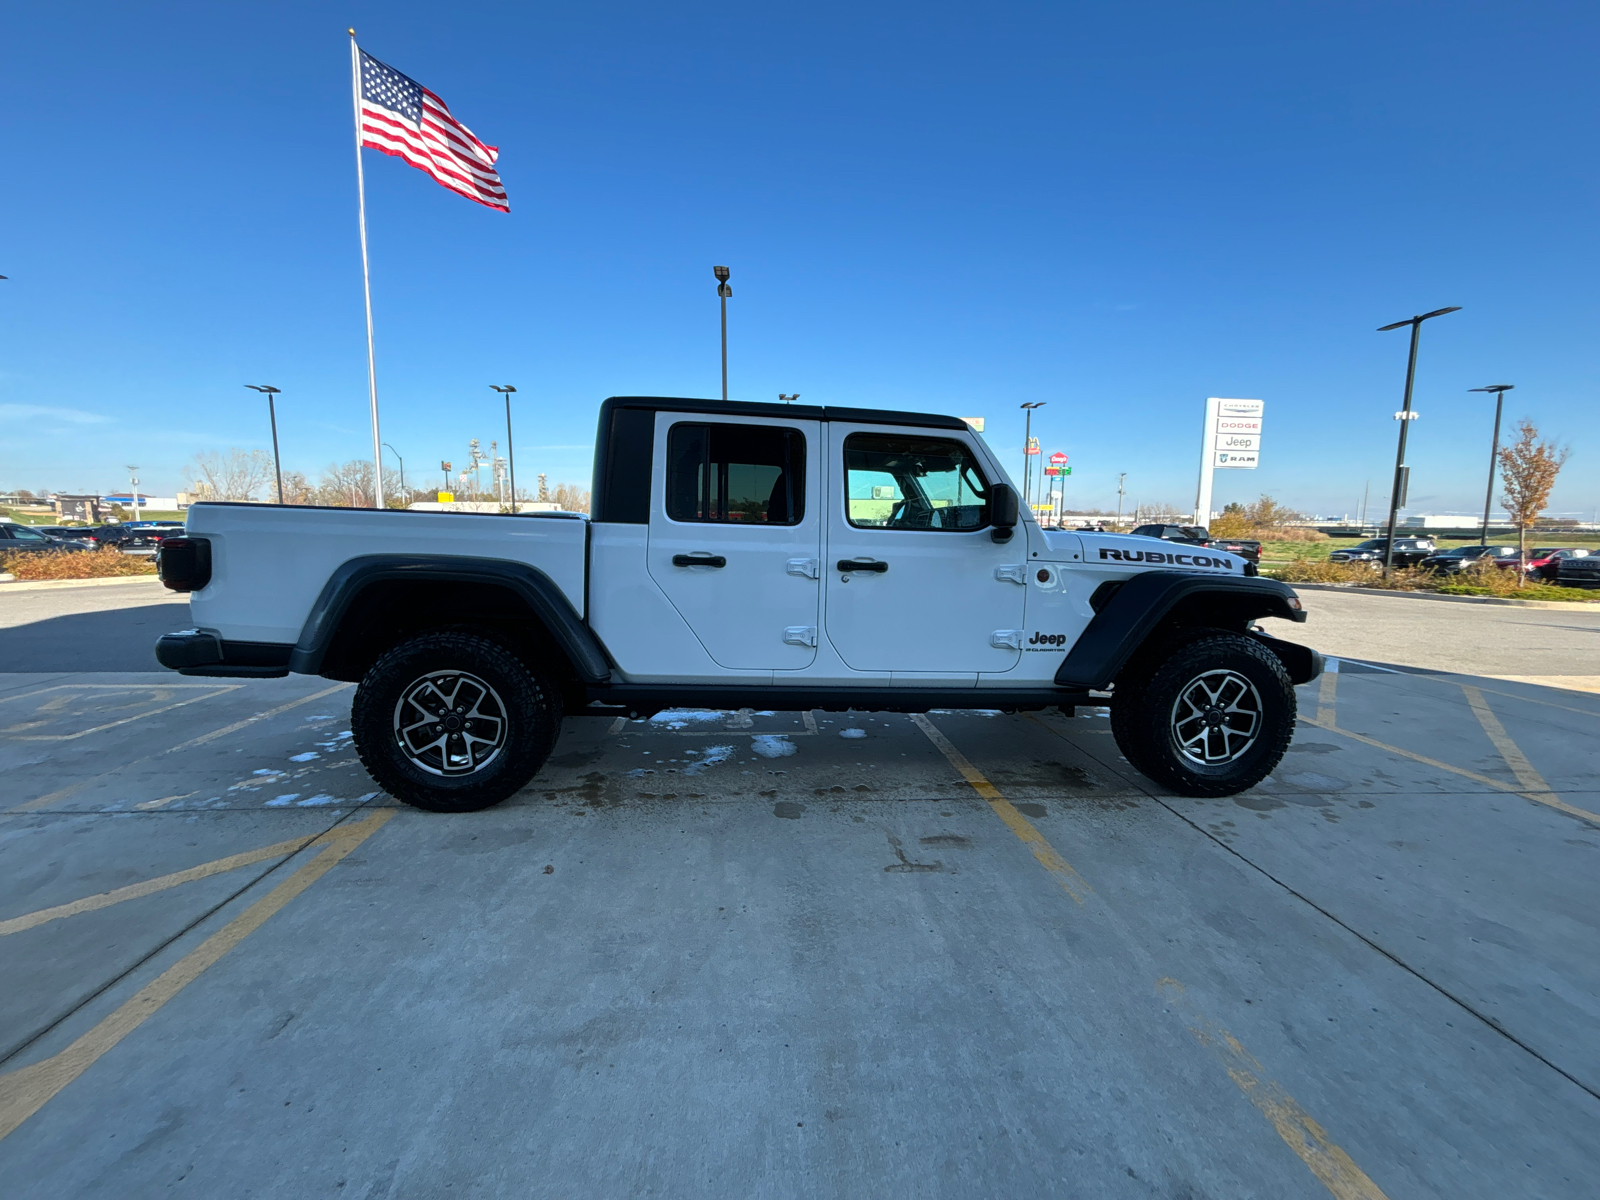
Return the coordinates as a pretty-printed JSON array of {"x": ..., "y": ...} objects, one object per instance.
[{"x": 366, "y": 276}]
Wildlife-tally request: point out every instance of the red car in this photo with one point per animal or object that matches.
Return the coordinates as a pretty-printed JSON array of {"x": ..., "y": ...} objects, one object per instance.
[{"x": 1545, "y": 561}]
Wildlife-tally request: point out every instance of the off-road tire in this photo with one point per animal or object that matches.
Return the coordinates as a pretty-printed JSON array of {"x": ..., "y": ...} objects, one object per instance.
[
  {"x": 518, "y": 714},
  {"x": 1153, "y": 715}
]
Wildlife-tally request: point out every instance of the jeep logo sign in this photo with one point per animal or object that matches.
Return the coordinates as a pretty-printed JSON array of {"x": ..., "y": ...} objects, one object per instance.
[
  {"x": 1158, "y": 556},
  {"x": 1046, "y": 641}
]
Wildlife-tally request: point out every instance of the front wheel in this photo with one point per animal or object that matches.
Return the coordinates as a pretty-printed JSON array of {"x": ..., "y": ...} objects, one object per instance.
[
  {"x": 453, "y": 722},
  {"x": 1213, "y": 719}
]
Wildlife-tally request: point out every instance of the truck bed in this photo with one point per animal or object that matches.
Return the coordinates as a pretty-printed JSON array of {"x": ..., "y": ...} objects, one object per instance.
[{"x": 269, "y": 562}]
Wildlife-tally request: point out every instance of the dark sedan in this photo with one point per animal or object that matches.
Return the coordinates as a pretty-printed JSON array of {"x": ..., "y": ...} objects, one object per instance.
[
  {"x": 16, "y": 538},
  {"x": 1544, "y": 563},
  {"x": 141, "y": 537},
  {"x": 1581, "y": 572},
  {"x": 1454, "y": 561},
  {"x": 1408, "y": 552}
]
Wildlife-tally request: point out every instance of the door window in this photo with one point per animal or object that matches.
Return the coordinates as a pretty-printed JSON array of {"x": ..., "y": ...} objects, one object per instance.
[
  {"x": 898, "y": 482},
  {"x": 738, "y": 474}
]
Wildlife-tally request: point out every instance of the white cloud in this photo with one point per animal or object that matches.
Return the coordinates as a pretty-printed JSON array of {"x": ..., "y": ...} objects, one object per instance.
[{"x": 73, "y": 416}]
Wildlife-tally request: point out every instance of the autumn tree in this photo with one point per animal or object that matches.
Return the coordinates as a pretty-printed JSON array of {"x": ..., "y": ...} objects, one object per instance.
[
  {"x": 571, "y": 497},
  {"x": 1528, "y": 470}
]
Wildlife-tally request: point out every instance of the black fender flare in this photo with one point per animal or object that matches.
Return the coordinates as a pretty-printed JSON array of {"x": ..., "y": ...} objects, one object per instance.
[
  {"x": 531, "y": 585},
  {"x": 1138, "y": 607}
]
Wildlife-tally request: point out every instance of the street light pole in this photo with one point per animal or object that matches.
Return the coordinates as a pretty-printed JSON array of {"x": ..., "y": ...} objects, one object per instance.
[
  {"x": 1122, "y": 479},
  {"x": 1499, "y": 390},
  {"x": 1027, "y": 446},
  {"x": 723, "y": 292},
  {"x": 1405, "y": 416},
  {"x": 133, "y": 489},
  {"x": 269, "y": 392},
  {"x": 396, "y": 453},
  {"x": 511, "y": 461}
]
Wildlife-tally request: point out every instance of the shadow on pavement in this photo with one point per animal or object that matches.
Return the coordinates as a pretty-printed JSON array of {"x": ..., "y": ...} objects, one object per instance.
[{"x": 115, "y": 640}]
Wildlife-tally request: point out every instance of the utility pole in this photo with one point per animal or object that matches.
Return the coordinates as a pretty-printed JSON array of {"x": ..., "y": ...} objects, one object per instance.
[
  {"x": 1499, "y": 390},
  {"x": 133, "y": 489},
  {"x": 269, "y": 392},
  {"x": 723, "y": 293},
  {"x": 1122, "y": 481},
  {"x": 1405, "y": 416}
]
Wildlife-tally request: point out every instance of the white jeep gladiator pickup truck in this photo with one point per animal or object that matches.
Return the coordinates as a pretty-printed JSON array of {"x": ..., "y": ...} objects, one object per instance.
[{"x": 739, "y": 555}]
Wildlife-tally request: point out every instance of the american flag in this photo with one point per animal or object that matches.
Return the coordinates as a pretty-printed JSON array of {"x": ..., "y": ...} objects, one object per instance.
[{"x": 401, "y": 117}]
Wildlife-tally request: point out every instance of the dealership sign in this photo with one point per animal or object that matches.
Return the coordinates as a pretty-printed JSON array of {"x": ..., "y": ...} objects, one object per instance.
[{"x": 1230, "y": 441}]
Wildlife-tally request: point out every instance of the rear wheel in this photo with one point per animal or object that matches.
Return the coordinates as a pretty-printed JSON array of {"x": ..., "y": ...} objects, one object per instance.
[
  {"x": 453, "y": 722},
  {"x": 1213, "y": 718}
]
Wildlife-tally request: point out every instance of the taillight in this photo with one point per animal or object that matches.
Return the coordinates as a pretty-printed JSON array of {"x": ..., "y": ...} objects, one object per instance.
[{"x": 184, "y": 563}]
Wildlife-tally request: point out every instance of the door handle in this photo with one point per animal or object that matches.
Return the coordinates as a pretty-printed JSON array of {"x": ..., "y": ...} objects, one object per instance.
[
  {"x": 850, "y": 564},
  {"x": 699, "y": 560}
]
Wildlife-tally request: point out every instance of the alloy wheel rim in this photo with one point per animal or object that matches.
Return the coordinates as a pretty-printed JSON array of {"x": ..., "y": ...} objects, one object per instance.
[
  {"x": 1216, "y": 718},
  {"x": 450, "y": 723}
]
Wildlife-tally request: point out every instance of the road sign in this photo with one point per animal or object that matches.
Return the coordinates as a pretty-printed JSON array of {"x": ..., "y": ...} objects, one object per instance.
[{"x": 1230, "y": 440}]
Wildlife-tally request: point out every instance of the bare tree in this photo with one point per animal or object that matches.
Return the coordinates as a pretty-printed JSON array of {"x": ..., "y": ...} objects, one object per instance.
[
  {"x": 295, "y": 488},
  {"x": 346, "y": 486},
  {"x": 236, "y": 475},
  {"x": 569, "y": 496},
  {"x": 1528, "y": 470}
]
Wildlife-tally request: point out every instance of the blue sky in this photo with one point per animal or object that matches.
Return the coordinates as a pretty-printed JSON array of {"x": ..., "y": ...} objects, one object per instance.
[{"x": 1118, "y": 210}]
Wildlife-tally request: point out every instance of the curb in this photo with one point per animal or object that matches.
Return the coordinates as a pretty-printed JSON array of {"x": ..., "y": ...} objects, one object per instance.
[
  {"x": 1354, "y": 589},
  {"x": 40, "y": 585}
]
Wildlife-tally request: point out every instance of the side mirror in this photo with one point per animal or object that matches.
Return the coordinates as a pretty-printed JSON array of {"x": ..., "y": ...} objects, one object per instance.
[{"x": 1002, "y": 511}]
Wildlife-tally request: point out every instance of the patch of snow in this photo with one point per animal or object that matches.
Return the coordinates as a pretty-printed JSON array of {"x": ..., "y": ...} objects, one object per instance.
[
  {"x": 266, "y": 772},
  {"x": 853, "y": 733},
  {"x": 712, "y": 756},
  {"x": 306, "y": 757},
  {"x": 638, "y": 771},
  {"x": 281, "y": 801},
  {"x": 679, "y": 718},
  {"x": 319, "y": 799},
  {"x": 772, "y": 745}
]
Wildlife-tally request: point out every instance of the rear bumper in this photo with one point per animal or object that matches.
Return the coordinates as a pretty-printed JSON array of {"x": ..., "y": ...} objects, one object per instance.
[{"x": 198, "y": 652}]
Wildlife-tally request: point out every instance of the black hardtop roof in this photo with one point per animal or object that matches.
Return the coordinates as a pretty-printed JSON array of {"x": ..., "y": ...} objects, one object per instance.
[{"x": 801, "y": 412}]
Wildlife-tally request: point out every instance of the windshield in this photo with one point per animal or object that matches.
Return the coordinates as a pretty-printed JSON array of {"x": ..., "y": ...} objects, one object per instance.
[{"x": 1370, "y": 544}]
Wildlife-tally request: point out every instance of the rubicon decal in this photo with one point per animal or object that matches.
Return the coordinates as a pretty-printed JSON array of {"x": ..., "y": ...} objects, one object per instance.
[
  {"x": 1046, "y": 641},
  {"x": 1158, "y": 556}
]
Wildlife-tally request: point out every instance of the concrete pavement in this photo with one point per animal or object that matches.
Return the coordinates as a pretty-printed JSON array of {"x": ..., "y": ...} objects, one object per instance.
[{"x": 801, "y": 954}]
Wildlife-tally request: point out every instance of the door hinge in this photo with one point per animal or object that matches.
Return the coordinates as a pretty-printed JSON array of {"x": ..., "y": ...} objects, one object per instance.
[
  {"x": 1015, "y": 572},
  {"x": 1006, "y": 639},
  {"x": 800, "y": 635},
  {"x": 805, "y": 568}
]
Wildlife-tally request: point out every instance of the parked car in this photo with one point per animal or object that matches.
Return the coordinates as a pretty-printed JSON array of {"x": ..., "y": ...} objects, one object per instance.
[
  {"x": 130, "y": 538},
  {"x": 16, "y": 538},
  {"x": 1408, "y": 552},
  {"x": 1542, "y": 562},
  {"x": 1579, "y": 570},
  {"x": 75, "y": 533},
  {"x": 791, "y": 557},
  {"x": 1198, "y": 535},
  {"x": 1458, "y": 559}
]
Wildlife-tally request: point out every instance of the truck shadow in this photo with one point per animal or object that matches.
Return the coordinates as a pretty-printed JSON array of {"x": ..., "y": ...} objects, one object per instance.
[{"x": 113, "y": 640}]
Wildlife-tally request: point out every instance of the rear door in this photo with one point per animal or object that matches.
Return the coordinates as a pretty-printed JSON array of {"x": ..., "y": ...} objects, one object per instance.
[
  {"x": 736, "y": 535},
  {"x": 916, "y": 584}
]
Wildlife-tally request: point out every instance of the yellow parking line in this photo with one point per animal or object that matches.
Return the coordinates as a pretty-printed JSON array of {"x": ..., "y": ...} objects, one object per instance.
[
  {"x": 1330, "y": 1164},
  {"x": 1327, "y": 697},
  {"x": 1529, "y": 778},
  {"x": 1060, "y": 870},
  {"x": 159, "y": 884},
  {"x": 24, "y": 1092},
  {"x": 1545, "y": 796},
  {"x": 63, "y": 793}
]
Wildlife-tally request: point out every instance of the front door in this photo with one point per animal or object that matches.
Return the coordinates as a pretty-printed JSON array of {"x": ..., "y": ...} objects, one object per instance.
[
  {"x": 917, "y": 585},
  {"x": 736, "y": 535}
]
